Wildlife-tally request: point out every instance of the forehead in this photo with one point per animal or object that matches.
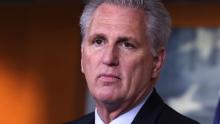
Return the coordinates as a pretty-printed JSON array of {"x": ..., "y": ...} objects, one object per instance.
[
  {"x": 115, "y": 11},
  {"x": 115, "y": 16}
]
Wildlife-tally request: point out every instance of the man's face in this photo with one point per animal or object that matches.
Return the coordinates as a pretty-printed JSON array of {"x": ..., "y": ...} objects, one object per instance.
[{"x": 116, "y": 57}]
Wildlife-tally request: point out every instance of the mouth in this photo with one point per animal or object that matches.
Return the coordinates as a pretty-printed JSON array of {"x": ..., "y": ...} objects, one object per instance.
[{"x": 109, "y": 78}]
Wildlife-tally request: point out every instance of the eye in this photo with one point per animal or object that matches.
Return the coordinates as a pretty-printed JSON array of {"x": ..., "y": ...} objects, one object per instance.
[
  {"x": 98, "y": 41},
  {"x": 126, "y": 44}
]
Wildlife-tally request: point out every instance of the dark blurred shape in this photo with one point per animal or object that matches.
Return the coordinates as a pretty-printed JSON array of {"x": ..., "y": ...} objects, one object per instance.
[
  {"x": 217, "y": 114},
  {"x": 83, "y": 1},
  {"x": 189, "y": 1},
  {"x": 27, "y": 2}
]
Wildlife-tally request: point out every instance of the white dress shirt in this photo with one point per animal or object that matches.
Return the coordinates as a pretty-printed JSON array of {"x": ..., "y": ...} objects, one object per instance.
[{"x": 125, "y": 118}]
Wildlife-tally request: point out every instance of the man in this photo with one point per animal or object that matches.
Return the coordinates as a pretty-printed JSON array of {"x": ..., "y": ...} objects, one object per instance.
[{"x": 122, "y": 55}]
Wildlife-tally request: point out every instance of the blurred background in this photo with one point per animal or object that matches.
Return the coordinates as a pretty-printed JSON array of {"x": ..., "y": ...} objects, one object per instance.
[{"x": 40, "y": 78}]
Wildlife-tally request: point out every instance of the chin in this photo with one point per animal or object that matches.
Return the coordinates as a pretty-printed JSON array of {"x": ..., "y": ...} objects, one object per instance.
[{"x": 107, "y": 98}]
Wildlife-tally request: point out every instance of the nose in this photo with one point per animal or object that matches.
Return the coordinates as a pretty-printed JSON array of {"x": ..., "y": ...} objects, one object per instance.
[{"x": 110, "y": 56}]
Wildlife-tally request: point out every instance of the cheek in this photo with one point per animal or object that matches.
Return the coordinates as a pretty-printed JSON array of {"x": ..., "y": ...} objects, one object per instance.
[
  {"x": 137, "y": 73},
  {"x": 137, "y": 66},
  {"x": 86, "y": 67},
  {"x": 90, "y": 64},
  {"x": 88, "y": 72}
]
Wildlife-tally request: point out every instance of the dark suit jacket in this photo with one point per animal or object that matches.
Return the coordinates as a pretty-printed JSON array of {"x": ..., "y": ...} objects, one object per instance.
[
  {"x": 217, "y": 114},
  {"x": 154, "y": 111}
]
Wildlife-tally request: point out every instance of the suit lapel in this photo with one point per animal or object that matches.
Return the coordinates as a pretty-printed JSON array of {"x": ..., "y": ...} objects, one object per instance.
[
  {"x": 90, "y": 119},
  {"x": 150, "y": 110}
]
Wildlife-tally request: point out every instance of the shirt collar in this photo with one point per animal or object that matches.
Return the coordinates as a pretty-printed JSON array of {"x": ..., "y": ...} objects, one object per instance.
[{"x": 125, "y": 118}]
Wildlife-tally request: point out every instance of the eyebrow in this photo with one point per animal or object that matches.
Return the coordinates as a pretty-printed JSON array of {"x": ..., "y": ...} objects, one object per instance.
[
  {"x": 119, "y": 39},
  {"x": 99, "y": 35},
  {"x": 127, "y": 39}
]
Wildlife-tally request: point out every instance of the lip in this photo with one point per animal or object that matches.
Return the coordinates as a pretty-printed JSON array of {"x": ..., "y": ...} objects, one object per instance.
[{"x": 109, "y": 77}]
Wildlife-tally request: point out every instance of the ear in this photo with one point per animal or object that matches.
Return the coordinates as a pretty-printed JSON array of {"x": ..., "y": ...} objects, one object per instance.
[
  {"x": 82, "y": 52},
  {"x": 158, "y": 62}
]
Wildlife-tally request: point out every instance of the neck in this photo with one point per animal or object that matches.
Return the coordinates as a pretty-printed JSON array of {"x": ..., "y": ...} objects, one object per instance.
[{"x": 109, "y": 112}]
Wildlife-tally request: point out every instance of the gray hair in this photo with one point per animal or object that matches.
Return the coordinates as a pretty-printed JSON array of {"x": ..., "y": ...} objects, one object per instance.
[{"x": 158, "y": 24}]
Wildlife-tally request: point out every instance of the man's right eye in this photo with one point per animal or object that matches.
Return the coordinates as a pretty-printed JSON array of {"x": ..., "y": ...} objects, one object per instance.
[{"x": 98, "y": 41}]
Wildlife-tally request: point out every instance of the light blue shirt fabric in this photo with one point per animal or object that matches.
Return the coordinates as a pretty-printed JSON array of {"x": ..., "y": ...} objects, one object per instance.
[{"x": 125, "y": 118}]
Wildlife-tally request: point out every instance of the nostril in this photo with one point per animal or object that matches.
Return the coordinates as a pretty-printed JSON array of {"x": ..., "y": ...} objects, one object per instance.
[
  {"x": 111, "y": 60},
  {"x": 112, "y": 64}
]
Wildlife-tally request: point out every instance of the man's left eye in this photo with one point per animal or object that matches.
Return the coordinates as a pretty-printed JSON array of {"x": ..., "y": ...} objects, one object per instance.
[{"x": 127, "y": 45}]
